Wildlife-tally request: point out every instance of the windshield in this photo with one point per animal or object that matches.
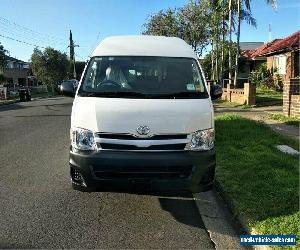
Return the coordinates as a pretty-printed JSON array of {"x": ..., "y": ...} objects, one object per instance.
[{"x": 144, "y": 77}]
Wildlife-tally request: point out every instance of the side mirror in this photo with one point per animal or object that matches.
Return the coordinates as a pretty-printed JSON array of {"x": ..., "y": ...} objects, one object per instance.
[
  {"x": 67, "y": 88},
  {"x": 216, "y": 91}
]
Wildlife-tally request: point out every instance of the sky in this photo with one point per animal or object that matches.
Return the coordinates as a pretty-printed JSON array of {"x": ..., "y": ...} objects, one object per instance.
[{"x": 47, "y": 22}]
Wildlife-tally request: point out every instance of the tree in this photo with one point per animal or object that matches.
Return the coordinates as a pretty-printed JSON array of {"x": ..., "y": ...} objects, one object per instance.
[
  {"x": 206, "y": 62},
  {"x": 193, "y": 24},
  {"x": 49, "y": 66},
  {"x": 188, "y": 23},
  {"x": 79, "y": 68},
  {"x": 230, "y": 10},
  {"x": 163, "y": 23},
  {"x": 3, "y": 62},
  {"x": 214, "y": 12},
  {"x": 2, "y": 57}
]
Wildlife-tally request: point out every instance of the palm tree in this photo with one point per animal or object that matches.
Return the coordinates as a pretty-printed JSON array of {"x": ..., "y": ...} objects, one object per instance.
[
  {"x": 237, "y": 41},
  {"x": 246, "y": 16},
  {"x": 230, "y": 10},
  {"x": 214, "y": 13}
]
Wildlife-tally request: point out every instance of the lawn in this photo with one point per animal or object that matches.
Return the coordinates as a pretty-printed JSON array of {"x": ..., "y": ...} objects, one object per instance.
[
  {"x": 268, "y": 97},
  {"x": 294, "y": 121},
  {"x": 261, "y": 182}
]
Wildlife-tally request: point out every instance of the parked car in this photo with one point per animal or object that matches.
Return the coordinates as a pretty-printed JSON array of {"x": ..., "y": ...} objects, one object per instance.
[
  {"x": 72, "y": 82},
  {"x": 143, "y": 113}
]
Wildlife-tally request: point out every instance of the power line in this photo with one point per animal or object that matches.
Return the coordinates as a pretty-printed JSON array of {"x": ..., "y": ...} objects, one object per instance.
[
  {"x": 22, "y": 41},
  {"x": 26, "y": 30},
  {"x": 29, "y": 39},
  {"x": 80, "y": 56},
  {"x": 15, "y": 32}
]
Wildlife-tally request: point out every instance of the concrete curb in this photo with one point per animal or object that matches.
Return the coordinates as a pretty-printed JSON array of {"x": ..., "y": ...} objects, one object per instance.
[
  {"x": 241, "y": 219},
  {"x": 223, "y": 230},
  {"x": 236, "y": 214},
  {"x": 9, "y": 102},
  {"x": 32, "y": 99}
]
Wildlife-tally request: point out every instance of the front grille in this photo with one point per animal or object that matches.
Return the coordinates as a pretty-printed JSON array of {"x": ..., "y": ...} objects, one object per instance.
[
  {"x": 133, "y": 147},
  {"x": 132, "y": 137},
  {"x": 130, "y": 142},
  {"x": 144, "y": 172}
]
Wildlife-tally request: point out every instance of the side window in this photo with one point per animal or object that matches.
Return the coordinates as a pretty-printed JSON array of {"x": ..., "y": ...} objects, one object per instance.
[
  {"x": 197, "y": 78},
  {"x": 91, "y": 76}
]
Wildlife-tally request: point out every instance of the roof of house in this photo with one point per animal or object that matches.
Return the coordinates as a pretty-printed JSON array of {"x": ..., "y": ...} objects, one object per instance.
[
  {"x": 277, "y": 46},
  {"x": 250, "y": 45},
  {"x": 12, "y": 59},
  {"x": 143, "y": 45}
]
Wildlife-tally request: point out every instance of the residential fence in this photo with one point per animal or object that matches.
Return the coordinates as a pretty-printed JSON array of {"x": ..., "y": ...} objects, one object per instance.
[
  {"x": 39, "y": 89},
  {"x": 246, "y": 95},
  {"x": 291, "y": 98}
]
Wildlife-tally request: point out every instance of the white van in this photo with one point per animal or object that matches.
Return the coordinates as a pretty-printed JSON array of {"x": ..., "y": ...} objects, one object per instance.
[{"x": 142, "y": 113}]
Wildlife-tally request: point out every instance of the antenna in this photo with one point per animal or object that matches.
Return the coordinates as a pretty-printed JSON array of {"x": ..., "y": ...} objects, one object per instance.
[{"x": 270, "y": 33}]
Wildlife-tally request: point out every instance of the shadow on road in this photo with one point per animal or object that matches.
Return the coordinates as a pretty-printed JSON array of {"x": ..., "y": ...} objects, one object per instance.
[
  {"x": 13, "y": 106},
  {"x": 24, "y": 116},
  {"x": 184, "y": 210},
  {"x": 180, "y": 204}
]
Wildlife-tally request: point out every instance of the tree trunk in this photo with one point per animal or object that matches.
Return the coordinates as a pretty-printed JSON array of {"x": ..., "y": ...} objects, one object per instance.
[
  {"x": 212, "y": 61},
  {"x": 236, "y": 66},
  {"x": 222, "y": 47},
  {"x": 230, "y": 40},
  {"x": 217, "y": 55}
]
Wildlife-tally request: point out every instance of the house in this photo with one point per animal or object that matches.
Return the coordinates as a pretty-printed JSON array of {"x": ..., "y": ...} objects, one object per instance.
[
  {"x": 16, "y": 71},
  {"x": 246, "y": 62},
  {"x": 282, "y": 56}
]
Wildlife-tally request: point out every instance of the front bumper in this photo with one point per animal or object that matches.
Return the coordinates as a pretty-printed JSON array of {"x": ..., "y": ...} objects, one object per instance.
[{"x": 192, "y": 171}]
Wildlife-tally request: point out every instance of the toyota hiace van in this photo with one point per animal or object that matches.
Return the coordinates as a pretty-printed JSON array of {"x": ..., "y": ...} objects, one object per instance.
[{"x": 142, "y": 112}]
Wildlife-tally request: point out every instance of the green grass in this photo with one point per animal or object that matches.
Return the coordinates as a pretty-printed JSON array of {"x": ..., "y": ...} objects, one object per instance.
[
  {"x": 294, "y": 121},
  {"x": 261, "y": 182},
  {"x": 268, "y": 97}
]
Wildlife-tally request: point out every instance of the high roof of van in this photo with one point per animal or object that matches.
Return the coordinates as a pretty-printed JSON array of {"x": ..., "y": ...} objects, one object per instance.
[{"x": 143, "y": 45}]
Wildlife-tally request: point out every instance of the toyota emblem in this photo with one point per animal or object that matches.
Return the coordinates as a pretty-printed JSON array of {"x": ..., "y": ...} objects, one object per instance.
[{"x": 143, "y": 129}]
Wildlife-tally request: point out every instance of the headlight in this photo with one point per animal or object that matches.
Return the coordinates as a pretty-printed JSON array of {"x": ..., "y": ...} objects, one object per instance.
[
  {"x": 82, "y": 139},
  {"x": 201, "y": 140}
]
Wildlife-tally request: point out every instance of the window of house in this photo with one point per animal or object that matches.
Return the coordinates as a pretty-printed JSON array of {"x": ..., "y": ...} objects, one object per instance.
[
  {"x": 279, "y": 64},
  {"x": 10, "y": 65}
]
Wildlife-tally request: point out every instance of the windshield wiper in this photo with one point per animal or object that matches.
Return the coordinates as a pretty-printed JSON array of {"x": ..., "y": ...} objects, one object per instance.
[{"x": 183, "y": 94}]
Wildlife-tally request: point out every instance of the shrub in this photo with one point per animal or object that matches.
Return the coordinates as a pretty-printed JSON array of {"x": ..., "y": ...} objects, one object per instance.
[{"x": 263, "y": 77}]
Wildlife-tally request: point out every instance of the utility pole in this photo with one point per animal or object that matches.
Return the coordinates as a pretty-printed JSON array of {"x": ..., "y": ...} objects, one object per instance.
[
  {"x": 270, "y": 33},
  {"x": 72, "y": 55}
]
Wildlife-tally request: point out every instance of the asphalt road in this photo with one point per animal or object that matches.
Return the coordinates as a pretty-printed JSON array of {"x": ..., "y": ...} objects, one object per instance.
[{"x": 38, "y": 208}]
